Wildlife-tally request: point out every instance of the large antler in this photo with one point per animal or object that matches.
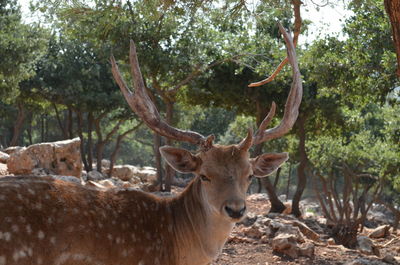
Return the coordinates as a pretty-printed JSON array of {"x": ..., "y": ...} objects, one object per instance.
[
  {"x": 292, "y": 104},
  {"x": 143, "y": 106}
]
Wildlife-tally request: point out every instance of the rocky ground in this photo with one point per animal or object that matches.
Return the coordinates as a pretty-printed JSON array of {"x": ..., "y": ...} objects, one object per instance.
[
  {"x": 249, "y": 248},
  {"x": 259, "y": 239}
]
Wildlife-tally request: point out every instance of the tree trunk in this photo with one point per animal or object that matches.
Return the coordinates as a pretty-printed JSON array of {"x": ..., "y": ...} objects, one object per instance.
[
  {"x": 393, "y": 10},
  {"x": 79, "y": 121},
  {"x": 46, "y": 127},
  {"x": 288, "y": 181},
  {"x": 90, "y": 141},
  {"x": 18, "y": 125},
  {"x": 60, "y": 125},
  {"x": 29, "y": 130},
  {"x": 70, "y": 123},
  {"x": 301, "y": 175},
  {"x": 276, "y": 205},
  {"x": 157, "y": 157},
  {"x": 42, "y": 128},
  {"x": 169, "y": 171},
  {"x": 277, "y": 175}
]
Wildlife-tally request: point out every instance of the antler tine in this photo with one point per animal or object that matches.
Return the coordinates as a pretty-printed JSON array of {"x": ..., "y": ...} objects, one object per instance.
[
  {"x": 293, "y": 101},
  {"x": 144, "y": 107}
]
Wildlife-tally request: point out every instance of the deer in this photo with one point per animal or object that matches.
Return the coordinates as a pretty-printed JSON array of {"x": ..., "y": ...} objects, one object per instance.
[{"x": 52, "y": 222}]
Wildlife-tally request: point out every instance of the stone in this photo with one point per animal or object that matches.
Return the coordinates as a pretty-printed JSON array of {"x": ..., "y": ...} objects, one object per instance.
[
  {"x": 249, "y": 220},
  {"x": 308, "y": 232},
  {"x": 12, "y": 149},
  {"x": 95, "y": 175},
  {"x": 4, "y": 157},
  {"x": 67, "y": 179},
  {"x": 125, "y": 172},
  {"x": 390, "y": 259},
  {"x": 258, "y": 197},
  {"x": 364, "y": 261},
  {"x": 59, "y": 158},
  {"x": 147, "y": 174},
  {"x": 366, "y": 246},
  {"x": 254, "y": 231},
  {"x": 107, "y": 183},
  {"x": 380, "y": 232},
  {"x": 307, "y": 250},
  {"x": 285, "y": 244},
  {"x": 331, "y": 241}
]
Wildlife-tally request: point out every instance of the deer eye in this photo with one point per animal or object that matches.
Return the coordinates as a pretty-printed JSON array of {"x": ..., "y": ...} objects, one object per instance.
[
  {"x": 250, "y": 177},
  {"x": 204, "y": 178}
]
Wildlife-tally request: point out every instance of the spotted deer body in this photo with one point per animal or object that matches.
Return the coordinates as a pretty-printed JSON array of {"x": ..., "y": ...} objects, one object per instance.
[
  {"x": 51, "y": 222},
  {"x": 61, "y": 223}
]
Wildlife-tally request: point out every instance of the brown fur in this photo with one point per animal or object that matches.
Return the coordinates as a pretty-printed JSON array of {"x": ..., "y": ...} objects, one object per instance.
[{"x": 51, "y": 222}]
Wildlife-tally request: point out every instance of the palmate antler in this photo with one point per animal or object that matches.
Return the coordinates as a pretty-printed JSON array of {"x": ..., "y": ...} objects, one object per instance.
[{"x": 144, "y": 107}]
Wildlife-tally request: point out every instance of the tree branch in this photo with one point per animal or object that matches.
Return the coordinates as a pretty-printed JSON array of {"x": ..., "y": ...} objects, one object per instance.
[{"x": 297, "y": 27}]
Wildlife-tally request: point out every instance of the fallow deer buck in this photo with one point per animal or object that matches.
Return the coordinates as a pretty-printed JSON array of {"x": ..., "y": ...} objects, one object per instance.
[{"x": 50, "y": 222}]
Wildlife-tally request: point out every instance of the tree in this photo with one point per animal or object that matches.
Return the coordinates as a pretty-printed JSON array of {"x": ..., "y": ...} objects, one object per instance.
[
  {"x": 393, "y": 10},
  {"x": 21, "y": 46}
]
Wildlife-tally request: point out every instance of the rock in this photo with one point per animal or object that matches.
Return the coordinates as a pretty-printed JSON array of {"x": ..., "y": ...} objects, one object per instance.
[
  {"x": 331, "y": 241},
  {"x": 364, "y": 261},
  {"x": 307, "y": 249},
  {"x": 249, "y": 220},
  {"x": 390, "y": 259},
  {"x": 105, "y": 163},
  {"x": 4, "y": 157},
  {"x": 257, "y": 197},
  {"x": 125, "y": 172},
  {"x": 254, "y": 231},
  {"x": 67, "y": 179},
  {"x": 291, "y": 230},
  {"x": 379, "y": 232},
  {"x": 285, "y": 244},
  {"x": 12, "y": 149},
  {"x": 147, "y": 174},
  {"x": 107, "y": 183},
  {"x": 366, "y": 246},
  {"x": 308, "y": 232},
  {"x": 60, "y": 158},
  {"x": 95, "y": 185},
  {"x": 42, "y": 172},
  {"x": 95, "y": 175}
]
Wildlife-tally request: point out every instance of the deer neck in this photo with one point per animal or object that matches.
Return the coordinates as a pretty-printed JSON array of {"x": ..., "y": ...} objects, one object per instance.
[{"x": 201, "y": 233}]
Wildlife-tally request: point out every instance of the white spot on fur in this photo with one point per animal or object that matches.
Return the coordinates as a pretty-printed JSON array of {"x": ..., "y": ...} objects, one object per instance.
[
  {"x": 6, "y": 236},
  {"x": 15, "y": 228},
  {"x": 28, "y": 229},
  {"x": 53, "y": 240},
  {"x": 31, "y": 191},
  {"x": 19, "y": 254},
  {"x": 63, "y": 258},
  {"x": 40, "y": 234}
]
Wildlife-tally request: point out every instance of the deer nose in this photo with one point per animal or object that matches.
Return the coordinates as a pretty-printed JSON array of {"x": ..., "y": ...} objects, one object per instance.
[{"x": 235, "y": 209}]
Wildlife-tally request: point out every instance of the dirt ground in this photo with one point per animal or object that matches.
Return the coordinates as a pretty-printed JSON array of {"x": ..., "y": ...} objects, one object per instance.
[{"x": 255, "y": 252}]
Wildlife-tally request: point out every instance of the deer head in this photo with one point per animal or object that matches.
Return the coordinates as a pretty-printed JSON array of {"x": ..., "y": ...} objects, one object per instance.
[{"x": 225, "y": 171}]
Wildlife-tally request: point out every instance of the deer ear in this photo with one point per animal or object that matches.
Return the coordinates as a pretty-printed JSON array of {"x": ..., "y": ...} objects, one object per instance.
[
  {"x": 180, "y": 159},
  {"x": 266, "y": 164}
]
